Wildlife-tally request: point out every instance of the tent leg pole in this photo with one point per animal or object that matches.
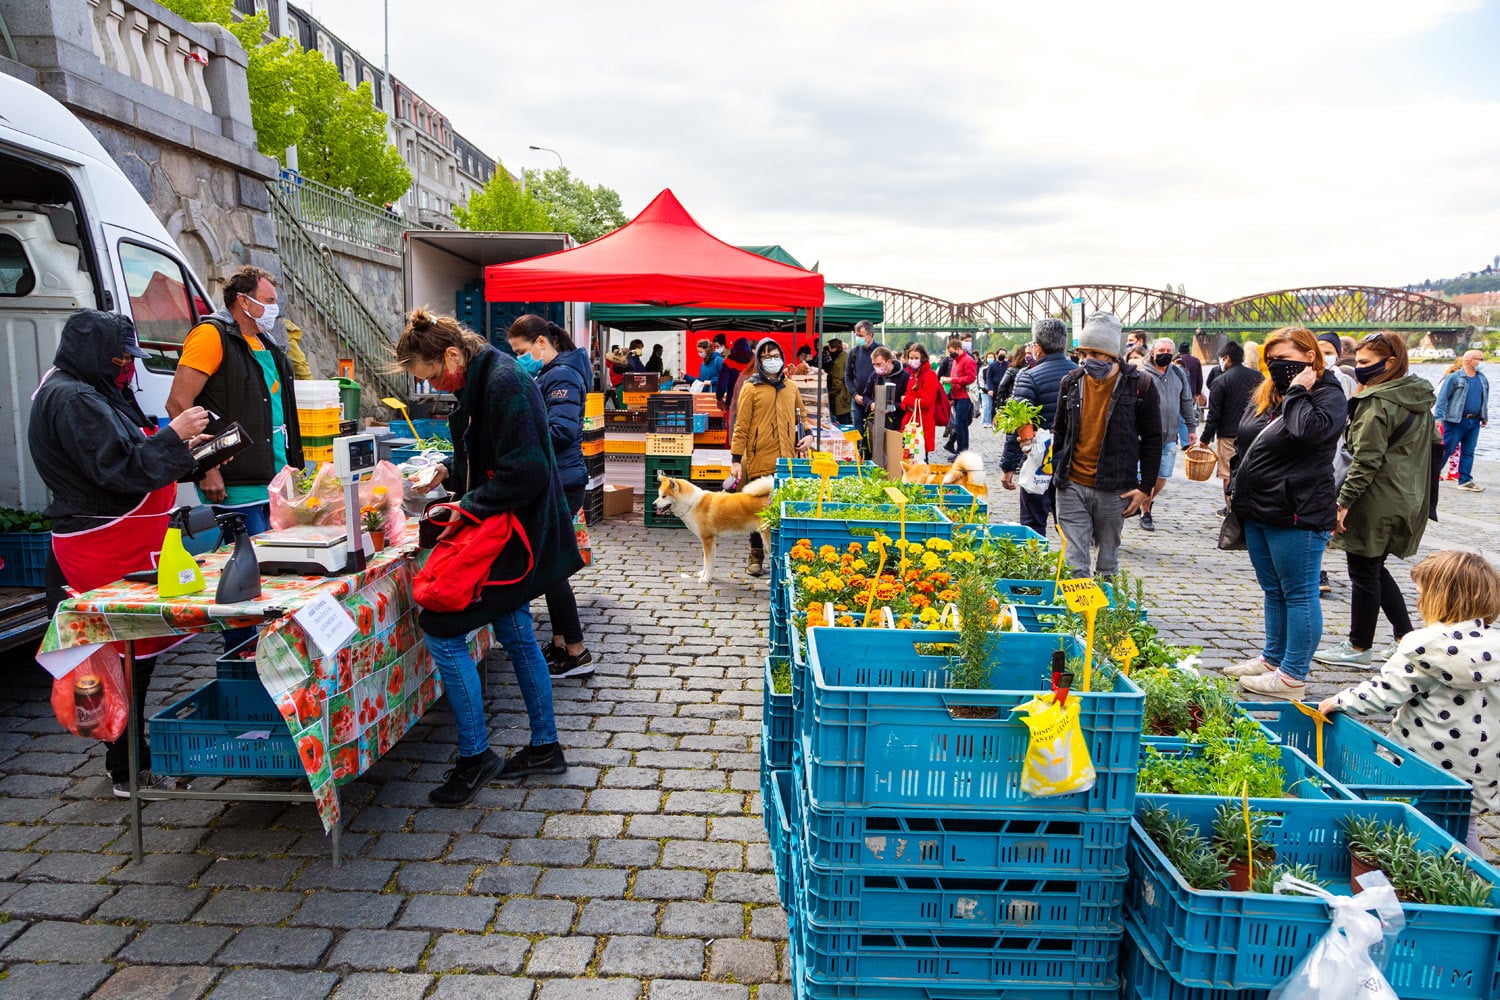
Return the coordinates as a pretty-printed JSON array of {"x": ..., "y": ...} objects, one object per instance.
[{"x": 817, "y": 340}]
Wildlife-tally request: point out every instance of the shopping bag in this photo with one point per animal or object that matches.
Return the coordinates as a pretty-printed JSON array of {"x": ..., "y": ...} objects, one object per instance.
[
  {"x": 914, "y": 440},
  {"x": 581, "y": 532},
  {"x": 1341, "y": 965},
  {"x": 1057, "y": 757},
  {"x": 1036, "y": 471},
  {"x": 104, "y": 712}
]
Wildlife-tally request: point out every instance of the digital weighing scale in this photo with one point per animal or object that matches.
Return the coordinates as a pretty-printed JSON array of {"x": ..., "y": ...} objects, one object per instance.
[{"x": 326, "y": 550}]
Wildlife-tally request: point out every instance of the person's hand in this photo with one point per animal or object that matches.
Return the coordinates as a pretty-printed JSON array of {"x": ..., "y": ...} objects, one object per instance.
[
  {"x": 804, "y": 444},
  {"x": 1306, "y": 378},
  {"x": 734, "y": 470},
  {"x": 1339, "y": 529},
  {"x": 1329, "y": 705},
  {"x": 1008, "y": 480},
  {"x": 1134, "y": 501},
  {"x": 1192, "y": 438},
  {"x": 426, "y": 479},
  {"x": 189, "y": 423},
  {"x": 213, "y": 487},
  {"x": 859, "y": 400}
]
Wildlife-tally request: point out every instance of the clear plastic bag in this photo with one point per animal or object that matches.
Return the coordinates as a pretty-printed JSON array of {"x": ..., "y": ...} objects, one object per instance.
[
  {"x": 1343, "y": 964},
  {"x": 297, "y": 499}
]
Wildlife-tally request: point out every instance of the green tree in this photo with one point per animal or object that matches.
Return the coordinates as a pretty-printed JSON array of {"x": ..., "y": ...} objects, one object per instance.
[
  {"x": 501, "y": 206},
  {"x": 586, "y": 213}
]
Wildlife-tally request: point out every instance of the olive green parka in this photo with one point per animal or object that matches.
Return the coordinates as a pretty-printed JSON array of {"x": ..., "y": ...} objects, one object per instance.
[{"x": 1388, "y": 490}]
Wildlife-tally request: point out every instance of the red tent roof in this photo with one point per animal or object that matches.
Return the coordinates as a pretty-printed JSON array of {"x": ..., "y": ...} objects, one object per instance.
[{"x": 663, "y": 258}]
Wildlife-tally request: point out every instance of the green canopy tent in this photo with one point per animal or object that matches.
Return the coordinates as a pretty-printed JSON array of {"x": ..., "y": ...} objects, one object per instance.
[{"x": 841, "y": 310}]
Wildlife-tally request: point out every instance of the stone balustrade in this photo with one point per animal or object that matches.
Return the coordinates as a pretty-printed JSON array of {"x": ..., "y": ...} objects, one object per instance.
[{"x": 131, "y": 38}]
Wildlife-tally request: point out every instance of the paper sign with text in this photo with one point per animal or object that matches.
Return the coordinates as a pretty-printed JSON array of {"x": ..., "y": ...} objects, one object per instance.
[
  {"x": 326, "y": 623},
  {"x": 1124, "y": 651},
  {"x": 1082, "y": 595},
  {"x": 823, "y": 464},
  {"x": 895, "y": 496}
]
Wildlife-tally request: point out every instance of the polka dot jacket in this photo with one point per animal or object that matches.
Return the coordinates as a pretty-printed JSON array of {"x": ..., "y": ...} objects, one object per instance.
[{"x": 1444, "y": 686}]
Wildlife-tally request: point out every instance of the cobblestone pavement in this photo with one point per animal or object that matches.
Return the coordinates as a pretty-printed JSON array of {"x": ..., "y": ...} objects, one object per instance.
[{"x": 642, "y": 872}]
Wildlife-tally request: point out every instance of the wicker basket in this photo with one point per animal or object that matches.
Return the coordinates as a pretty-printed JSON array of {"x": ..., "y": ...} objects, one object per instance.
[{"x": 1200, "y": 462}]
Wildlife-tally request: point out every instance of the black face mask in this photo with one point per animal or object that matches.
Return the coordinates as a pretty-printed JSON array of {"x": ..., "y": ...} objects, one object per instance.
[
  {"x": 1367, "y": 374},
  {"x": 1162, "y": 360},
  {"x": 1282, "y": 373}
]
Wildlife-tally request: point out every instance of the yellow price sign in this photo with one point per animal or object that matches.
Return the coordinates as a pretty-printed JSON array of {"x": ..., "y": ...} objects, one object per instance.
[
  {"x": 1124, "y": 653},
  {"x": 895, "y": 496},
  {"x": 823, "y": 464},
  {"x": 1082, "y": 595}
]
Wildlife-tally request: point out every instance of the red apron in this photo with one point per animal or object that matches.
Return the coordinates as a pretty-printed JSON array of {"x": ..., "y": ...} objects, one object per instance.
[{"x": 98, "y": 556}]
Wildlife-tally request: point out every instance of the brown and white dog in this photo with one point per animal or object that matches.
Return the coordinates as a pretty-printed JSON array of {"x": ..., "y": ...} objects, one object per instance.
[
  {"x": 709, "y": 515},
  {"x": 967, "y": 470}
]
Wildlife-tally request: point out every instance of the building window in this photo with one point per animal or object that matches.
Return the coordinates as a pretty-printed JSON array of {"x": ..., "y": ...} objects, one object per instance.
[{"x": 351, "y": 77}]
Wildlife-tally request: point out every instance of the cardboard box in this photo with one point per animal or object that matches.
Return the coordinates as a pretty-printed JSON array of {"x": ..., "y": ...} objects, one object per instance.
[{"x": 618, "y": 500}]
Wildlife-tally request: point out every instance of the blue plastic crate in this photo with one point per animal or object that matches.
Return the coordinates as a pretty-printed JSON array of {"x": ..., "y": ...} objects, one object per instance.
[
  {"x": 955, "y": 499},
  {"x": 877, "y": 729},
  {"x": 778, "y": 798},
  {"x": 776, "y": 726},
  {"x": 24, "y": 554},
  {"x": 1017, "y": 842},
  {"x": 1038, "y": 901},
  {"x": 1035, "y": 599},
  {"x": 200, "y": 735},
  {"x": 800, "y": 519},
  {"x": 1371, "y": 765},
  {"x": 801, "y": 468},
  {"x": 1304, "y": 779},
  {"x": 1018, "y": 533},
  {"x": 1143, "y": 976},
  {"x": 1246, "y": 940},
  {"x": 238, "y": 664},
  {"x": 431, "y": 427}
]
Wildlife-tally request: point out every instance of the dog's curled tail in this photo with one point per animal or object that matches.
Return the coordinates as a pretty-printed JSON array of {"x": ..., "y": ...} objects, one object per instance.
[
  {"x": 968, "y": 463},
  {"x": 758, "y": 487}
]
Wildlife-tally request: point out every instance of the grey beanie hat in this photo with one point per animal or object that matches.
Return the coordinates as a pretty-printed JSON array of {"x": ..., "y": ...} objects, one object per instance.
[
  {"x": 1101, "y": 332},
  {"x": 1051, "y": 335}
]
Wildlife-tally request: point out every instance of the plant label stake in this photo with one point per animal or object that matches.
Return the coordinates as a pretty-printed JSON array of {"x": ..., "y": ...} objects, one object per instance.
[
  {"x": 880, "y": 543},
  {"x": 1061, "y": 552},
  {"x": 1249, "y": 835},
  {"x": 823, "y": 466},
  {"x": 1319, "y": 720},
  {"x": 1085, "y": 597},
  {"x": 1124, "y": 653},
  {"x": 899, "y": 499}
]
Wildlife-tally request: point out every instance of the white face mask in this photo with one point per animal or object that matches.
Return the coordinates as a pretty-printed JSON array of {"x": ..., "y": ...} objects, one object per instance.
[
  {"x": 969, "y": 345},
  {"x": 267, "y": 318},
  {"x": 771, "y": 366}
]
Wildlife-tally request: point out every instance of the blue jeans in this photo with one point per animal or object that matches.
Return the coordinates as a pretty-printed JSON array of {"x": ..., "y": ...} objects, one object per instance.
[
  {"x": 257, "y": 522},
  {"x": 1287, "y": 562},
  {"x": 963, "y": 415},
  {"x": 461, "y": 680},
  {"x": 1463, "y": 432},
  {"x": 1168, "y": 459},
  {"x": 987, "y": 408}
]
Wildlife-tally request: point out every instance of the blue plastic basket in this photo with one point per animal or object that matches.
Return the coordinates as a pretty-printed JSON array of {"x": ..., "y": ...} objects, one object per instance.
[
  {"x": 239, "y": 663},
  {"x": 1036, "y": 599},
  {"x": 1304, "y": 779},
  {"x": 1016, "y": 842},
  {"x": 799, "y": 519},
  {"x": 431, "y": 427},
  {"x": 1245, "y": 940},
  {"x": 778, "y": 799},
  {"x": 201, "y": 734},
  {"x": 878, "y": 731},
  {"x": 801, "y": 468},
  {"x": 776, "y": 726},
  {"x": 24, "y": 555},
  {"x": 954, "y": 498},
  {"x": 1143, "y": 976},
  {"x": 1371, "y": 765}
]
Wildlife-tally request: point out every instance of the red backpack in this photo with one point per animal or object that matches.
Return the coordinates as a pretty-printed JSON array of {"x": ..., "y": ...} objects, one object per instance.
[
  {"x": 455, "y": 575},
  {"x": 942, "y": 410}
]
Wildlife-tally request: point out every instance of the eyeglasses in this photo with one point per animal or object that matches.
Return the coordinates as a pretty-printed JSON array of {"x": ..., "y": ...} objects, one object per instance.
[{"x": 1373, "y": 338}]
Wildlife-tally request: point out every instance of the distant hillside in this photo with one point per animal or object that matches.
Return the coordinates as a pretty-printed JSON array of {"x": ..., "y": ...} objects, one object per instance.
[{"x": 1487, "y": 280}]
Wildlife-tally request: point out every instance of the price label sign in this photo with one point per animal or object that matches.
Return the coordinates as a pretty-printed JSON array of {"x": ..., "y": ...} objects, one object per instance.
[
  {"x": 1082, "y": 595},
  {"x": 823, "y": 464},
  {"x": 1124, "y": 653},
  {"x": 895, "y": 496}
]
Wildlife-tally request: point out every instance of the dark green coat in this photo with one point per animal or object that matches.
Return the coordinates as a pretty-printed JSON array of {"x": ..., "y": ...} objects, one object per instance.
[{"x": 1389, "y": 487}]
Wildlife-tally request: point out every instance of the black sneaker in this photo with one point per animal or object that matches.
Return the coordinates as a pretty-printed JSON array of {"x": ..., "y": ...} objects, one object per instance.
[
  {"x": 1222, "y": 512},
  {"x": 547, "y": 759},
  {"x": 1146, "y": 523},
  {"x": 119, "y": 786},
  {"x": 552, "y": 653},
  {"x": 1324, "y": 587},
  {"x": 463, "y": 781},
  {"x": 572, "y": 666}
]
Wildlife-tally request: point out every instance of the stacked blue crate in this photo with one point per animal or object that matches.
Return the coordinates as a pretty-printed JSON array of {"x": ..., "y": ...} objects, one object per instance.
[{"x": 909, "y": 858}]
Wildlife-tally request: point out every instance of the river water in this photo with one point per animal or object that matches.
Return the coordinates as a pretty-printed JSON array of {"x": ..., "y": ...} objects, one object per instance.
[{"x": 1489, "y": 437}]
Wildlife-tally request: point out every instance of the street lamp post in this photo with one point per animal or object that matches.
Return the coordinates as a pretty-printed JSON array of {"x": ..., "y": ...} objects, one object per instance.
[{"x": 545, "y": 149}]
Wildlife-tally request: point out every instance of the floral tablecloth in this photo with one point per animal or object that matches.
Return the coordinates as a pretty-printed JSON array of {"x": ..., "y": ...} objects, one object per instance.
[{"x": 343, "y": 711}]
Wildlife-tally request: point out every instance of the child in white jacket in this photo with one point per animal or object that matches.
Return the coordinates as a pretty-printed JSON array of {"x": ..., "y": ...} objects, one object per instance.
[{"x": 1444, "y": 681}]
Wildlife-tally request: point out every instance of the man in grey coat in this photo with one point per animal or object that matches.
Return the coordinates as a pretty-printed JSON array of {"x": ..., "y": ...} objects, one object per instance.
[
  {"x": 1176, "y": 399},
  {"x": 856, "y": 373}
]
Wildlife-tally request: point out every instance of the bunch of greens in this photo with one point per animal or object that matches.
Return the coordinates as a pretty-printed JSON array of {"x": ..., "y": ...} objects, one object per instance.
[
  {"x": 1007, "y": 559},
  {"x": 1418, "y": 876},
  {"x": 435, "y": 444},
  {"x": 1191, "y": 854},
  {"x": 1179, "y": 702},
  {"x": 23, "y": 521},
  {"x": 1233, "y": 752},
  {"x": 1015, "y": 414},
  {"x": 781, "y": 677},
  {"x": 976, "y": 604}
]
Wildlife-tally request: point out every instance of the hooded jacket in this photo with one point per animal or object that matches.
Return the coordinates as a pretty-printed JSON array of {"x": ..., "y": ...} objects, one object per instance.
[
  {"x": 768, "y": 413},
  {"x": 87, "y": 436},
  {"x": 1389, "y": 486},
  {"x": 562, "y": 382},
  {"x": 1283, "y": 462},
  {"x": 1444, "y": 686}
]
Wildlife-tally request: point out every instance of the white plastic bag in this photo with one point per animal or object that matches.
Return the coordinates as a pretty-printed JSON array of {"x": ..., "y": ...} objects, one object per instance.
[
  {"x": 1341, "y": 966},
  {"x": 1036, "y": 470}
]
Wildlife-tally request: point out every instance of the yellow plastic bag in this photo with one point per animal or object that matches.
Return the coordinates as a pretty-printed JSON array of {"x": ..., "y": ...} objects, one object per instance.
[{"x": 1057, "y": 758}]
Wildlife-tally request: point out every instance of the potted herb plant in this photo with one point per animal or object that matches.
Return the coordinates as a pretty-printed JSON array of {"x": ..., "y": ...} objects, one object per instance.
[
  {"x": 1018, "y": 417},
  {"x": 1189, "y": 851},
  {"x": 374, "y": 523},
  {"x": 976, "y": 605},
  {"x": 1239, "y": 843}
]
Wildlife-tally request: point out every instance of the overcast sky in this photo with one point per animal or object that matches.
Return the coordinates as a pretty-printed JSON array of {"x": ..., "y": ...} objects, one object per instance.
[{"x": 970, "y": 149}]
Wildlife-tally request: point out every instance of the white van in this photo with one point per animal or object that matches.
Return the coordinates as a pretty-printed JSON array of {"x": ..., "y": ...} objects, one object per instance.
[{"x": 74, "y": 234}]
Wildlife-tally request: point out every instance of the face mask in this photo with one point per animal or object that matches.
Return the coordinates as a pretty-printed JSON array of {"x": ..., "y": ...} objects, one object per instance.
[
  {"x": 1368, "y": 373},
  {"x": 446, "y": 381},
  {"x": 882, "y": 369},
  {"x": 771, "y": 366},
  {"x": 968, "y": 345},
  {"x": 1097, "y": 368},
  {"x": 1282, "y": 373},
  {"x": 1330, "y": 362},
  {"x": 126, "y": 373},
  {"x": 267, "y": 318},
  {"x": 1161, "y": 360},
  {"x": 530, "y": 364},
  {"x": 914, "y": 363}
]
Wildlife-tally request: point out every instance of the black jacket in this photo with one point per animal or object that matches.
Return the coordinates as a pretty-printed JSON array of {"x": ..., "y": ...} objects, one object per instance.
[
  {"x": 897, "y": 380},
  {"x": 562, "y": 382},
  {"x": 237, "y": 392},
  {"x": 86, "y": 435},
  {"x": 993, "y": 373},
  {"x": 1132, "y": 432},
  {"x": 859, "y": 369},
  {"x": 1008, "y": 383},
  {"x": 1037, "y": 384},
  {"x": 1229, "y": 394},
  {"x": 502, "y": 461},
  {"x": 1283, "y": 463}
]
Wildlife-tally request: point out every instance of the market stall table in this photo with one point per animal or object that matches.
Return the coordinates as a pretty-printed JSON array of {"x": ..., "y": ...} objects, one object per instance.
[{"x": 344, "y": 703}]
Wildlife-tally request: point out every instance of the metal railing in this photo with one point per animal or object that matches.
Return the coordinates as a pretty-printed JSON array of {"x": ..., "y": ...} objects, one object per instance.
[
  {"x": 338, "y": 213},
  {"x": 317, "y": 286}
]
